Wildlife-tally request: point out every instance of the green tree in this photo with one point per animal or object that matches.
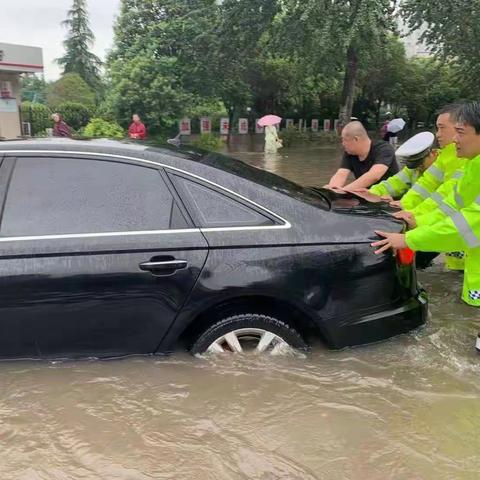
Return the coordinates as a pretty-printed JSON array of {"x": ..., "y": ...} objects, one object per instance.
[
  {"x": 452, "y": 31},
  {"x": 150, "y": 88},
  {"x": 380, "y": 78},
  {"x": 332, "y": 35},
  {"x": 157, "y": 68},
  {"x": 78, "y": 58},
  {"x": 70, "y": 88},
  {"x": 428, "y": 85},
  {"x": 34, "y": 89},
  {"x": 239, "y": 47}
]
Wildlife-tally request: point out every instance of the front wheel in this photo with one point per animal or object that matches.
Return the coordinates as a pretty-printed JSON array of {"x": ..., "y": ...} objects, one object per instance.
[{"x": 249, "y": 333}]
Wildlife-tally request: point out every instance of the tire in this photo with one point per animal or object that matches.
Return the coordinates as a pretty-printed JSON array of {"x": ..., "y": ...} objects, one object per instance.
[{"x": 248, "y": 328}]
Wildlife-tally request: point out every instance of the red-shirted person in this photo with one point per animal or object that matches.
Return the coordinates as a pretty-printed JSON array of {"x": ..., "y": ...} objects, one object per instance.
[{"x": 137, "y": 129}]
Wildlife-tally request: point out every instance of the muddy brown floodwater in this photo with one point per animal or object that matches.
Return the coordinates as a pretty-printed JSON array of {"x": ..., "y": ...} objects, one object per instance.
[{"x": 404, "y": 409}]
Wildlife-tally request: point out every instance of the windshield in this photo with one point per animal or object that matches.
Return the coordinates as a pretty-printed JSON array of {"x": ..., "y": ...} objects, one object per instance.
[{"x": 237, "y": 167}]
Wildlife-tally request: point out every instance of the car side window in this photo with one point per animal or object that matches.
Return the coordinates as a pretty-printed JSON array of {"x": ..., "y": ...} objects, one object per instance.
[
  {"x": 49, "y": 196},
  {"x": 211, "y": 208}
]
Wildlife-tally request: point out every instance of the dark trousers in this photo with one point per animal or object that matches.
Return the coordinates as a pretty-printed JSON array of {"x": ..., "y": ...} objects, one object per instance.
[{"x": 425, "y": 259}]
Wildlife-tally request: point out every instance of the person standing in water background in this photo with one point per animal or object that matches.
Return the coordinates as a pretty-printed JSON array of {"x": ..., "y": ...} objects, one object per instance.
[{"x": 272, "y": 140}]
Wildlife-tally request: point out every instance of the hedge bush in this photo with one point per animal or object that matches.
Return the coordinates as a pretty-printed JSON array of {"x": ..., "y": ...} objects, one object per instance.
[
  {"x": 292, "y": 136},
  {"x": 97, "y": 127},
  {"x": 74, "y": 114},
  {"x": 208, "y": 141},
  {"x": 38, "y": 115}
]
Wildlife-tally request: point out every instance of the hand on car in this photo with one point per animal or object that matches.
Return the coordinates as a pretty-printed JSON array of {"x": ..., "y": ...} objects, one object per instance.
[
  {"x": 335, "y": 189},
  {"x": 360, "y": 190},
  {"x": 395, "y": 203},
  {"x": 390, "y": 240},
  {"x": 408, "y": 217},
  {"x": 366, "y": 195}
]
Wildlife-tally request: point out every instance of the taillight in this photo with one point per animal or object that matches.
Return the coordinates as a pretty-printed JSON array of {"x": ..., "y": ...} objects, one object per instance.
[{"x": 405, "y": 256}]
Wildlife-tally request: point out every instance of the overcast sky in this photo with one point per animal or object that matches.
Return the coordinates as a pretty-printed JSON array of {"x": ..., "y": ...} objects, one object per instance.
[{"x": 37, "y": 23}]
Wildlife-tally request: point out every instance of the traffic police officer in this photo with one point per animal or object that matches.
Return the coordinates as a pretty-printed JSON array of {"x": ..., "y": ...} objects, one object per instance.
[
  {"x": 439, "y": 180},
  {"x": 445, "y": 167},
  {"x": 417, "y": 155},
  {"x": 455, "y": 224}
]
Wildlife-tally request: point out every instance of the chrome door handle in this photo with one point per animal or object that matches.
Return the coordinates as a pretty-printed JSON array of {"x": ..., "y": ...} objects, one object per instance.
[{"x": 166, "y": 265}]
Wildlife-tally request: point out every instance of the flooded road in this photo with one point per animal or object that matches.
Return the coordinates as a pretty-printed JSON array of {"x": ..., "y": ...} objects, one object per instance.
[{"x": 408, "y": 408}]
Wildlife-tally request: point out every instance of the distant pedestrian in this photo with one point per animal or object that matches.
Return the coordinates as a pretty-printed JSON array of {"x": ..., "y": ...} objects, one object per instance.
[
  {"x": 394, "y": 127},
  {"x": 60, "y": 128},
  {"x": 137, "y": 130},
  {"x": 272, "y": 140},
  {"x": 390, "y": 137},
  {"x": 384, "y": 131}
]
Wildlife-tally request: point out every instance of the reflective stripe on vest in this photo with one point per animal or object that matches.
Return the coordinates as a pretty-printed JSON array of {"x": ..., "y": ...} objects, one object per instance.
[
  {"x": 423, "y": 192},
  {"x": 459, "y": 221},
  {"x": 457, "y": 175},
  {"x": 437, "y": 173},
  {"x": 390, "y": 189},
  {"x": 458, "y": 198},
  {"x": 447, "y": 209},
  {"x": 404, "y": 178},
  {"x": 465, "y": 230}
]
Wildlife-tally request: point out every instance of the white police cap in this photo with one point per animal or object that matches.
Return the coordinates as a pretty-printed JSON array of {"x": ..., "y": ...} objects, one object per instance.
[{"x": 417, "y": 147}]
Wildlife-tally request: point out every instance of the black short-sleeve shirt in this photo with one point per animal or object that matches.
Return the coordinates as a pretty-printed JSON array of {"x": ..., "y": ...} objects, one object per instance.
[{"x": 381, "y": 153}]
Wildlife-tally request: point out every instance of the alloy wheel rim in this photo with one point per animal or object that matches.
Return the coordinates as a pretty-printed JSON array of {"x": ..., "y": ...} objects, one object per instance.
[{"x": 255, "y": 340}]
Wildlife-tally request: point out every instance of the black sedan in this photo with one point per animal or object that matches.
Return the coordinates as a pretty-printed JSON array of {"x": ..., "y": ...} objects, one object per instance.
[{"x": 110, "y": 249}]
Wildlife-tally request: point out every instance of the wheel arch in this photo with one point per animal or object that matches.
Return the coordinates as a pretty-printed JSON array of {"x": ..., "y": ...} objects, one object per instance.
[{"x": 260, "y": 304}]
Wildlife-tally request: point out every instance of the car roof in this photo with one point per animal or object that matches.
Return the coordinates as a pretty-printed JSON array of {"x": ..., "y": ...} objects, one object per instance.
[
  {"x": 185, "y": 157},
  {"x": 99, "y": 145},
  {"x": 162, "y": 153}
]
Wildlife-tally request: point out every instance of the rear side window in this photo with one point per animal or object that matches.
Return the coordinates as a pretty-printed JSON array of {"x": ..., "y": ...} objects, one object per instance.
[
  {"x": 210, "y": 208},
  {"x": 50, "y": 196}
]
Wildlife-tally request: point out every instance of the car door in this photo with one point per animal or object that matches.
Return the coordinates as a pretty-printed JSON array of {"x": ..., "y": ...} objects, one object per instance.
[{"x": 97, "y": 257}]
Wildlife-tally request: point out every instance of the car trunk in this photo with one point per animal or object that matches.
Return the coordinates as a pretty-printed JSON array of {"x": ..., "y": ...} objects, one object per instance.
[{"x": 378, "y": 217}]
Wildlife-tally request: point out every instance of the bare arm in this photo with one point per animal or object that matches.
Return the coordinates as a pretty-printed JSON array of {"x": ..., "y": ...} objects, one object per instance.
[
  {"x": 369, "y": 178},
  {"x": 339, "y": 179}
]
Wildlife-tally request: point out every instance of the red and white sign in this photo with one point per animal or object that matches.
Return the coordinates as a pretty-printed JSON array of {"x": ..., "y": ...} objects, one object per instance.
[
  {"x": 243, "y": 126},
  {"x": 314, "y": 124},
  {"x": 289, "y": 123},
  {"x": 327, "y": 125},
  {"x": 185, "y": 126},
  {"x": 205, "y": 125},
  {"x": 258, "y": 128},
  {"x": 224, "y": 126},
  {"x": 5, "y": 89}
]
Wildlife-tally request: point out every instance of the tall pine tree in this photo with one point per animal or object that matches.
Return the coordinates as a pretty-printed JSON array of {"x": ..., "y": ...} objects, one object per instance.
[{"x": 78, "y": 58}]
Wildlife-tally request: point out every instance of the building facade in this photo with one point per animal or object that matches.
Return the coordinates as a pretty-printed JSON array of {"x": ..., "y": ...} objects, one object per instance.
[{"x": 15, "y": 60}]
